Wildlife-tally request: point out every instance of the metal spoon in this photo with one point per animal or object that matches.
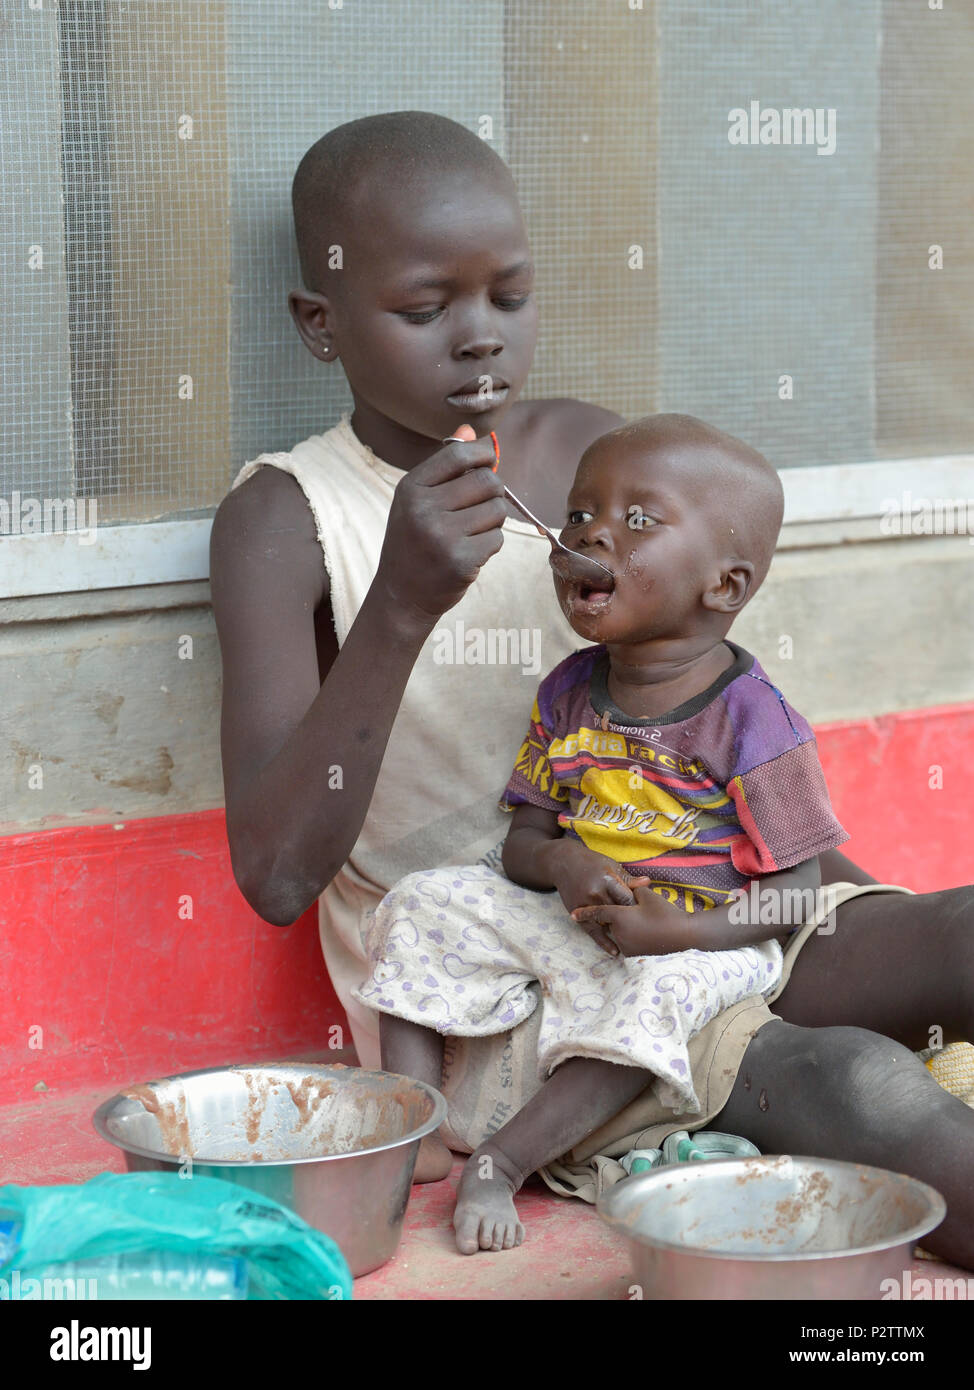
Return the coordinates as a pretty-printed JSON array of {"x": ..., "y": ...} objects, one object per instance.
[
  {"x": 576, "y": 568},
  {"x": 580, "y": 569}
]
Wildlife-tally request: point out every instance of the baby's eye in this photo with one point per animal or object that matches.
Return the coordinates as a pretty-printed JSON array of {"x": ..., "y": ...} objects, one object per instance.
[
  {"x": 637, "y": 520},
  {"x": 579, "y": 518},
  {"x": 419, "y": 315},
  {"x": 518, "y": 303}
]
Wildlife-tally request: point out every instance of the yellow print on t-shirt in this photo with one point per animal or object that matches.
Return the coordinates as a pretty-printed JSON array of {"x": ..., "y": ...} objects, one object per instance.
[
  {"x": 611, "y": 745},
  {"x": 608, "y": 821},
  {"x": 589, "y": 741},
  {"x": 691, "y": 897}
]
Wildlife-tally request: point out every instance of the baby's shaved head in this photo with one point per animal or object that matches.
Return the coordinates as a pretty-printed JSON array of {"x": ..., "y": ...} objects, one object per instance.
[
  {"x": 737, "y": 487},
  {"x": 372, "y": 158}
]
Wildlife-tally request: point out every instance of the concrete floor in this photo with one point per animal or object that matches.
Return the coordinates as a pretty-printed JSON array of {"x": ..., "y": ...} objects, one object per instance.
[{"x": 568, "y": 1253}]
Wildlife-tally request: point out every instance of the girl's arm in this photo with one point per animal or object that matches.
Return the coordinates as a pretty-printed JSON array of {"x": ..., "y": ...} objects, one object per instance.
[
  {"x": 837, "y": 867},
  {"x": 302, "y": 743}
]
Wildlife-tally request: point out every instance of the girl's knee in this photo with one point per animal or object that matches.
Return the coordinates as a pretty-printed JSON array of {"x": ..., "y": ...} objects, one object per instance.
[
  {"x": 954, "y": 921},
  {"x": 878, "y": 1095},
  {"x": 837, "y": 1092},
  {"x": 865, "y": 1064},
  {"x": 849, "y": 1072},
  {"x": 959, "y": 903},
  {"x": 954, "y": 910},
  {"x": 838, "y": 1047}
]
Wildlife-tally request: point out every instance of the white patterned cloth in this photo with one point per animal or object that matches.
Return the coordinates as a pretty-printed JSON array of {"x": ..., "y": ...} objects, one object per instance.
[{"x": 463, "y": 950}]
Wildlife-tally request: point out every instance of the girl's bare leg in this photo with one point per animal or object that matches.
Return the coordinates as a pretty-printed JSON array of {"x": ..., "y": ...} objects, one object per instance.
[
  {"x": 847, "y": 1093},
  {"x": 903, "y": 968},
  {"x": 414, "y": 1051},
  {"x": 895, "y": 964},
  {"x": 845, "y": 1085}
]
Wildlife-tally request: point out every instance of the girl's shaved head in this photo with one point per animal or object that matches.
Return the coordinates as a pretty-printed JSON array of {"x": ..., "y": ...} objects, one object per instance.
[{"x": 357, "y": 165}]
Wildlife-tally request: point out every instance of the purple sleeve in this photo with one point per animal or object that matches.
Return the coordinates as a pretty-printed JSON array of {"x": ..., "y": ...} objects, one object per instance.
[
  {"x": 532, "y": 780},
  {"x": 777, "y": 783}
]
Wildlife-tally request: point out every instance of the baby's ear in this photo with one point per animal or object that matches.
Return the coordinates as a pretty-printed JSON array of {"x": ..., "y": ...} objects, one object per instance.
[{"x": 735, "y": 587}]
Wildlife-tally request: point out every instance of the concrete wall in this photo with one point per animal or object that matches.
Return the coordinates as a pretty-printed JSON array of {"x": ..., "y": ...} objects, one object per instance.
[
  {"x": 99, "y": 702},
  {"x": 102, "y": 718}
]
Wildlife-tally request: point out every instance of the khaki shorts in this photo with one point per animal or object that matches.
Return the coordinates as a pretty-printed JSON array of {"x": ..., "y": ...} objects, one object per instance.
[{"x": 486, "y": 1081}]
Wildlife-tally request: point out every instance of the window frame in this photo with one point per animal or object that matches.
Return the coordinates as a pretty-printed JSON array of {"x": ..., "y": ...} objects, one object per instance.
[{"x": 170, "y": 552}]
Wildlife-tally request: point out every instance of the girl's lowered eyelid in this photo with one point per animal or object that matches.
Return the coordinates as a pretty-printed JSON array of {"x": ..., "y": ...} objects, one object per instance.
[{"x": 508, "y": 298}]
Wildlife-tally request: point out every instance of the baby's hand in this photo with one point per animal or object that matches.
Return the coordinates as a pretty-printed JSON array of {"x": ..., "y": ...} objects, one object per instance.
[
  {"x": 584, "y": 878},
  {"x": 650, "y": 926}
]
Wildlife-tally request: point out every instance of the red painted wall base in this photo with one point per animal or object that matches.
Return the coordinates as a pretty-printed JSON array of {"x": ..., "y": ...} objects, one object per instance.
[
  {"x": 129, "y": 953},
  {"x": 899, "y": 785}
]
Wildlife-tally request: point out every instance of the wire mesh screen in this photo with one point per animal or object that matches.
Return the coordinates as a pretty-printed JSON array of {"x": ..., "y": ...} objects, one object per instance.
[
  {"x": 114, "y": 378},
  {"x": 695, "y": 251}
]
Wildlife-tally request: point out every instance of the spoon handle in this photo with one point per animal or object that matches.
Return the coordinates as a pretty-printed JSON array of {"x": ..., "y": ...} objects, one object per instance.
[
  {"x": 557, "y": 546},
  {"x": 516, "y": 502}
]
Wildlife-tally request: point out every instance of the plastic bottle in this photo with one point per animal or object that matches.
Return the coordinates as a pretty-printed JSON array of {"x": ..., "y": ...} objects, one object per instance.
[
  {"x": 10, "y": 1229},
  {"x": 138, "y": 1275}
]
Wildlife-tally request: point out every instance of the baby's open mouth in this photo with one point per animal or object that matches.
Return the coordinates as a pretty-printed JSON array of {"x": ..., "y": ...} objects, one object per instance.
[{"x": 590, "y": 598}]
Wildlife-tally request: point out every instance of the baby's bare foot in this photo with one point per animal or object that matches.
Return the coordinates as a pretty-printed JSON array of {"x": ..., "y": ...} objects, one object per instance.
[
  {"x": 434, "y": 1160},
  {"x": 485, "y": 1217}
]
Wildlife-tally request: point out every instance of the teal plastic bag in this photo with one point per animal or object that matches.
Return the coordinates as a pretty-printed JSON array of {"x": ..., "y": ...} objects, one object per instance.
[{"x": 116, "y": 1213}]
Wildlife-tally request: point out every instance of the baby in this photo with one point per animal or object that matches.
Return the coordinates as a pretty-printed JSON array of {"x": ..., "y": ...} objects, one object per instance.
[{"x": 661, "y": 774}]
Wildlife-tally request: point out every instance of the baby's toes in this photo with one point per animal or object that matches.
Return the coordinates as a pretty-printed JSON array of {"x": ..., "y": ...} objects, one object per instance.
[{"x": 468, "y": 1236}]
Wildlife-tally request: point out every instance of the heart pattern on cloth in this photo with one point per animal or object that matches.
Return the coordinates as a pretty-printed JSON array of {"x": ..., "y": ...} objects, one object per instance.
[
  {"x": 387, "y": 970},
  {"x": 458, "y": 969},
  {"x": 480, "y": 934},
  {"x": 589, "y": 1003},
  {"x": 434, "y": 1005},
  {"x": 404, "y": 931},
  {"x": 654, "y": 1025},
  {"x": 467, "y": 953},
  {"x": 674, "y": 984},
  {"x": 437, "y": 893},
  {"x": 707, "y": 971}
]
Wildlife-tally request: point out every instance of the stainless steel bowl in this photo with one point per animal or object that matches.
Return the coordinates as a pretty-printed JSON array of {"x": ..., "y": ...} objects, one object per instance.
[
  {"x": 771, "y": 1227},
  {"x": 337, "y": 1145}
]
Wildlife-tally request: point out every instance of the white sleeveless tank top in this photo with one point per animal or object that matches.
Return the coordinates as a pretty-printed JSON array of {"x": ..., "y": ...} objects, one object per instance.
[{"x": 464, "y": 712}]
